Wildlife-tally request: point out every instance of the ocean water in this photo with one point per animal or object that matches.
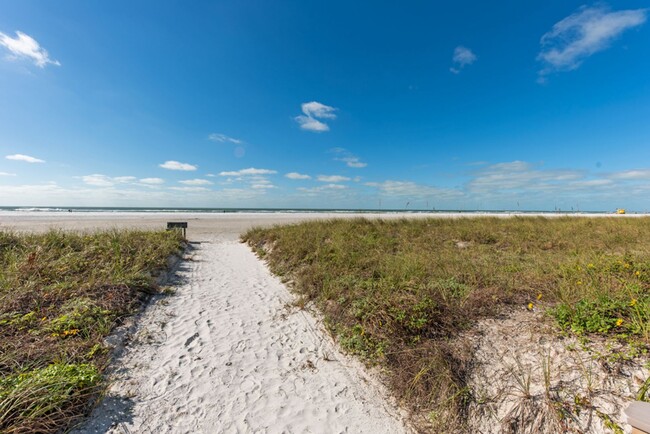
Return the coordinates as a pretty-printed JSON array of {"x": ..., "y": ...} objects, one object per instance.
[{"x": 23, "y": 209}]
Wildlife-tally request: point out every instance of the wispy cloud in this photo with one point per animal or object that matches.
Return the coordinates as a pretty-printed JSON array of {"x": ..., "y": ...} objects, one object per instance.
[
  {"x": 414, "y": 190},
  {"x": 578, "y": 36},
  {"x": 196, "y": 182},
  {"x": 190, "y": 189},
  {"x": 462, "y": 57},
  {"x": 249, "y": 171},
  {"x": 519, "y": 176},
  {"x": 152, "y": 181},
  {"x": 98, "y": 180},
  {"x": 353, "y": 162},
  {"x": 175, "y": 165},
  {"x": 323, "y": 188},
  {"x": 7, "y": 174},
  {"x": 296, "y": 175},
  {"x": 638, "y": 174},
  {"x": 222, "y": 138},
  {"x": 254, "y": 179},
  {"x": 332, "y": 178},
  {"x": 262, "y": 184},
  {"x": 348, "y": 158},
  {"x": 124, "y": 179},
  {"x": 25, "y": 158},
  {"x": 312, "y": 112},
  {"x": 25, "y": 47}
]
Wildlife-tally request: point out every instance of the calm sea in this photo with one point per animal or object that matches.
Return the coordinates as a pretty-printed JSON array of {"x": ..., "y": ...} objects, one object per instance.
[{"x": 270, "y": 210}]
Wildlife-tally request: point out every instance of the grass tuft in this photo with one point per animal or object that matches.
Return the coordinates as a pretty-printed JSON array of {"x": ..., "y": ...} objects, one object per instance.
[{"x": 61, "y": 294}]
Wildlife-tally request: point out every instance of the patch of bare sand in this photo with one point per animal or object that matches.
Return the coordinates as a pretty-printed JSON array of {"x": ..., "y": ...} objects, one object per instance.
[
  {"x": 528, "y": 379},
  {"x": 224, "y": 354}
]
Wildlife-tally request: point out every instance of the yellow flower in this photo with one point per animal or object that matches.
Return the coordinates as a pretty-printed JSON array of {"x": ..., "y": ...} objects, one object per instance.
[
  {"x": 633, "y": 302},
  {"x": 626, "y": 265},
  {"x": 530, "y": 306},
  {"x": 638, "y": 273},
  {"x": 579, "y": 282},
  {"x": 539, "y": 296},
  {"x": 619, "y": 322},
  {"x": 590, "y": 265}
]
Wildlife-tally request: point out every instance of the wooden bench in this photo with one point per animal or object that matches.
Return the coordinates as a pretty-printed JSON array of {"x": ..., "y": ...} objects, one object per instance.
[
  {"x": 638, "y": 415},
  {"x": 177, "y": 226}
]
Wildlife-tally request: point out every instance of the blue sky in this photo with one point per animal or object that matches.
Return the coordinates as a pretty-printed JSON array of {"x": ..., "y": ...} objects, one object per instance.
[{"x": 465, "y": 105}]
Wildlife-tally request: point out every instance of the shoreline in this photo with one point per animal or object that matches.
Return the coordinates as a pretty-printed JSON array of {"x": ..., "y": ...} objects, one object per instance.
[{"x": 231, "y": 224}]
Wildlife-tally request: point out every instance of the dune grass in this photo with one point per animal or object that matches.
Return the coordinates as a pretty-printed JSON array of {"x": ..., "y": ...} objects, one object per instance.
[
  {"x": 397, "y": 293},
  {"x": 60, "y": 295}
]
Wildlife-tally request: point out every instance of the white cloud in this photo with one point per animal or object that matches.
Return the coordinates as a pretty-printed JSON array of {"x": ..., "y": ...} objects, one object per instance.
[
  {"x": 263, "y": 185},
  {"x": 312, "y": 112},
  {"x": 190, "y": 189},
  {"x": 590, "y": 183},
  {"x": 462, "y": 57},
  {"x": 520, "y": 176},
  {"x": 578, "y": 36},
  {"x": 323, "y": 188},
  {"x": 50, "y": 194},
  {"x": 413, "y": 190},
  {"x": 175, "y": 165},
  {"x": 317, "y": 110},
  {"x": 152, "y": 181},
  {"x": 353, "y": 162},
  {"x": 196, "y": 182},
  {"x": 24, "y": 46},
  {"x": 640, "y": 174},
  {"x": 332, "y": 178},
  {"x": 311, "y": 124},
  {"x": 98, "y": 180},
  {"x": 349, "y": 159},
  {"x": 124, "y": 179},
  {"x": 25, "y": 158},
  {"x": 222, "y": 138},
  {"x": 249, "y": 171},
  {"x": 296, "y": 175},
  {"x": 7, "y": 174}
]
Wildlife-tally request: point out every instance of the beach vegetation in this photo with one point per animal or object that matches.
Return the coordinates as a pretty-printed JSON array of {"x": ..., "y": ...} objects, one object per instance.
[
  {"x": 399, "y": 293},
  {"x": 61, "y": 294}
]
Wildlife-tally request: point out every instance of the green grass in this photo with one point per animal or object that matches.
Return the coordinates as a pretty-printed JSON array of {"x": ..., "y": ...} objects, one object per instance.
[
  {"x": 61, "y": 294},
  {"x": 398, "y": 293}
]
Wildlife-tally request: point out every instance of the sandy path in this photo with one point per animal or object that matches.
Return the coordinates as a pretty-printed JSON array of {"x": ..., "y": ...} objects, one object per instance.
[{"x": 226, "y": 354}]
